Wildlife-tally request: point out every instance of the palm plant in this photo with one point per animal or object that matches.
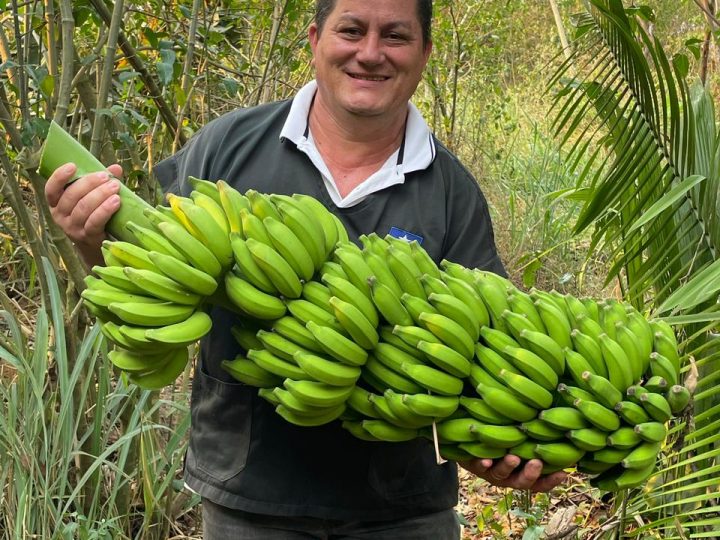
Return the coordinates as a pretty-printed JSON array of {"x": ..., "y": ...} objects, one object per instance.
[{"x": 647, "y": 151}]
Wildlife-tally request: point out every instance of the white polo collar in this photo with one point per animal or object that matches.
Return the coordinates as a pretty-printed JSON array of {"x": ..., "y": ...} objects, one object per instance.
[{"x": 416, "y": 152}]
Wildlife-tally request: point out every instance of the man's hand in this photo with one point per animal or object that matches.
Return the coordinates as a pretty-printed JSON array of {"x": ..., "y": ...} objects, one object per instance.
[
  {"x": 83, "y": 208},
  {"x": 503, "y": 473}
]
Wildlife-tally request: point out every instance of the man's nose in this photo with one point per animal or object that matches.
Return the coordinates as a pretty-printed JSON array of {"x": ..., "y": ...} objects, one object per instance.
[{"x": 370, "y": 49}]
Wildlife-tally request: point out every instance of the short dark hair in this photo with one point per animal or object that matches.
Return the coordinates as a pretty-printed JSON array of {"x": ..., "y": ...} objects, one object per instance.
[{"x": 323, "y": 8}]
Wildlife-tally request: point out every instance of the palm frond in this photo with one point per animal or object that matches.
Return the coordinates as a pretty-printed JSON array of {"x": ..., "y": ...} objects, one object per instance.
[{"x": 648, "y": 153}]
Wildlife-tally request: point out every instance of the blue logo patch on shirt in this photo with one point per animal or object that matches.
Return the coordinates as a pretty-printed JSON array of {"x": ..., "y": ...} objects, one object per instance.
[{"x": 402, "y": 234}]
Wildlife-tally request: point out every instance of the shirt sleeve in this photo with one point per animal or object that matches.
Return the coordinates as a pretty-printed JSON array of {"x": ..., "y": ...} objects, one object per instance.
[{"x": 470, "y": 238}]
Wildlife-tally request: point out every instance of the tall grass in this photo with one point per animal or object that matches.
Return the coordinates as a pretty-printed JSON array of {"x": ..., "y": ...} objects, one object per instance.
[{"x": 82, "y": 456}]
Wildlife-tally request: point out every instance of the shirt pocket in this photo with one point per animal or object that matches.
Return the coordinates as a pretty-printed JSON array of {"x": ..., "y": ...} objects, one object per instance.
[{"x": 221, "y": 416}]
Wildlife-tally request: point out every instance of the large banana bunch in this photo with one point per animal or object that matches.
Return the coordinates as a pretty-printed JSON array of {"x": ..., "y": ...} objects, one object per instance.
[
  {"x": 465, "y": 356},
  {"x": 383, "y": 339}
]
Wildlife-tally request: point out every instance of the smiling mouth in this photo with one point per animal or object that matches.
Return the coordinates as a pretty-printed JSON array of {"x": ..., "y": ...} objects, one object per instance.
[{"x": 376, "y": 78}]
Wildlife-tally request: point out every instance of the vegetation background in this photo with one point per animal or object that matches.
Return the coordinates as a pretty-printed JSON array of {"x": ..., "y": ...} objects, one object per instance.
[{"x": 83, "y": 456}]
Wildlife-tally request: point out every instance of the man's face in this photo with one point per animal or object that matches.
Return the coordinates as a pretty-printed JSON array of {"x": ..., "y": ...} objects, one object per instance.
[{"x": 369, "y": 57}]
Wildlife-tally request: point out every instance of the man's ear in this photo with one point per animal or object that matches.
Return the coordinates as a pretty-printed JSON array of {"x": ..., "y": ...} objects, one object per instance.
[{"x": 313, "y": 36}]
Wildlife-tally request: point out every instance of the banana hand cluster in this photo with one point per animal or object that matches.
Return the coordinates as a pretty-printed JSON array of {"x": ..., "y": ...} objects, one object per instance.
[{"x": 388, "y": 342}]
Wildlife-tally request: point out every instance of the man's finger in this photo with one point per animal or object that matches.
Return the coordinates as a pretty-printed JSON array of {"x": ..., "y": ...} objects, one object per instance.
[
  {"x": 55, "y": 185},
  {"x": 546, "y": 483},
  {"x": 504, "y": 468}
]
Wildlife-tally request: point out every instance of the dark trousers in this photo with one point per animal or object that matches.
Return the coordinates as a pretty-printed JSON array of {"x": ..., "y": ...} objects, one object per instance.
[{"x": 221, "y": 523}]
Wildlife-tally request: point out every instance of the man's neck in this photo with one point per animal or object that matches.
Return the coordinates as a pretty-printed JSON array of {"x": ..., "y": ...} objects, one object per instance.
[{"x": 362, "y": 141}]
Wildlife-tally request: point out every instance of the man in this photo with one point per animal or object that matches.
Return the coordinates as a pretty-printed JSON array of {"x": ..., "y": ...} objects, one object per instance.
[{"x": 352, "y": 140}]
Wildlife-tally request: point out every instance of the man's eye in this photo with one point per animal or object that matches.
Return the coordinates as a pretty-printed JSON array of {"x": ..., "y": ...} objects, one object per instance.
[{"x": 351, "y": 31}]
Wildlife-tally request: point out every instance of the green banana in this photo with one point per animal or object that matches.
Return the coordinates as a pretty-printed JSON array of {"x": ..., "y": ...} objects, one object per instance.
[
  {"x": 423, "y": 260},
  {"x": 360, "y": 329},
  {"x": 232, "y": 201},
  {"x": 248, "y": 372},
  {"x": 327, "y": 416},
  {"x": 480, "y": 450},
  {"x": 190, "y": 277},
  {"x": 353, "y": 264},
  {"x": 295, "y": 331},
  {"x": 456, "y": 430},
  {"x": 381, "y": 272},
  {"x": 492, "y": 361},
  {"x": 357, "y": 431},
  {"x": 387, "y": 336},
  {"x": 545, "y": 347},
  {"x": 631, "y": 412},
  {"x": 308, "y": 231},
  {"x": 137, "y": 362},
  {"x": 467, "y": 294},
  {"x": 393, "y": 358},
  {"x": 564, "y": 418},
  {"x": 286, "y": 242},
  {"x": 433, "y": 379},
  {"x": 164, "y": 375},
  {"x": 337, "y": 345},
  {"x": 277, "y": 366},
  {"x": 247, "y": 267},
  {"x": 556, "y": 322},
  {"x": 359, "y": 400},
  {"x": 127, "y": 254},
  {"x": 405, "y": 270},
  {"x": 497, "y": 340},
  {"x": 115, "y": 276},
  {"x": 246, "y": 337},
  {"x": 435, "y": 285},
  {"x": 588, "y": 439},
  {"x": 106, "y": 296},
  {"x": 412, "y": 335},
  {"x": 656, "y": 384},
  {"x": 253, "y": 227},
  {"x": 532, "y": 366},
  {"x": 598, "y": 415},
  {"x": 318, "y": 294},
  {"x": 541, "y": 431},
  {"x": 480, "y": 410},
  {"x": 252, "y": 300},
  {"x": 277, "y": 344},
  {"x": 317, "y": 393},
  {"x": 678, "y": 397},
  {"x": 617, "y": 362},
  {"x": 522, "y": 303},
  {"x": 495, "y": 300},
  {"x": 624, "y": 437},
  {"x": 655, "y": 405},
  {"x": 517, "y": 322},
  {"x": 651, "y": 431},
  {"x": 322, "y": 216},
  {"x": 206, "y": 187},
  {"x": 527, "y": 390},
  {"x": 628, "y": 341},
  {"x": 561, "y": 454},
  {"x": 151, "y": 240},
  {"x": 604, "y": 391},
  {"x": 387, "y": 378},
  {"x": 161, "y": 287},
  {"x": 446, "y": 358},
  {"x": 505, "y": 403},
  {"x": 196, "y": 253},
  {"x": 293, "y": 404},
  {"x": 276, "y": 268},
  {"x": 346, "y": 291},
  {"x": 449, "y": 332},
  {"x": 589, "y": 347},
  {"x": 454, "y": 308},
  {"x": 388, "y": 303},
  {"x": 183, "y": 333},
  {"x": 667, "y": 346},
  {"x": 385, "y": 431},
  {"x": 213, "y": 207},
  {"x": 642, "y": 456},
  {"x": 416, "y": 306},
  {"x": 144, "y": 314},
  {"x": 305, "y": 311},
  {"x": 431, "y": 405},
  {"x": 261, "y": 204},
  {"x": 570, "y": 393},
  {"x": 661, "y": 365},
  {"x": 478, "y": 375},
  {"x": 330, "y": 372},
  {"x": 499, "y": 436}
]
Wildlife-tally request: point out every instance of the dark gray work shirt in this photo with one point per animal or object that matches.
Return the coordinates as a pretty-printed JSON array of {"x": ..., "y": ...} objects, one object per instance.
[{"x": 241, "y": 453}]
